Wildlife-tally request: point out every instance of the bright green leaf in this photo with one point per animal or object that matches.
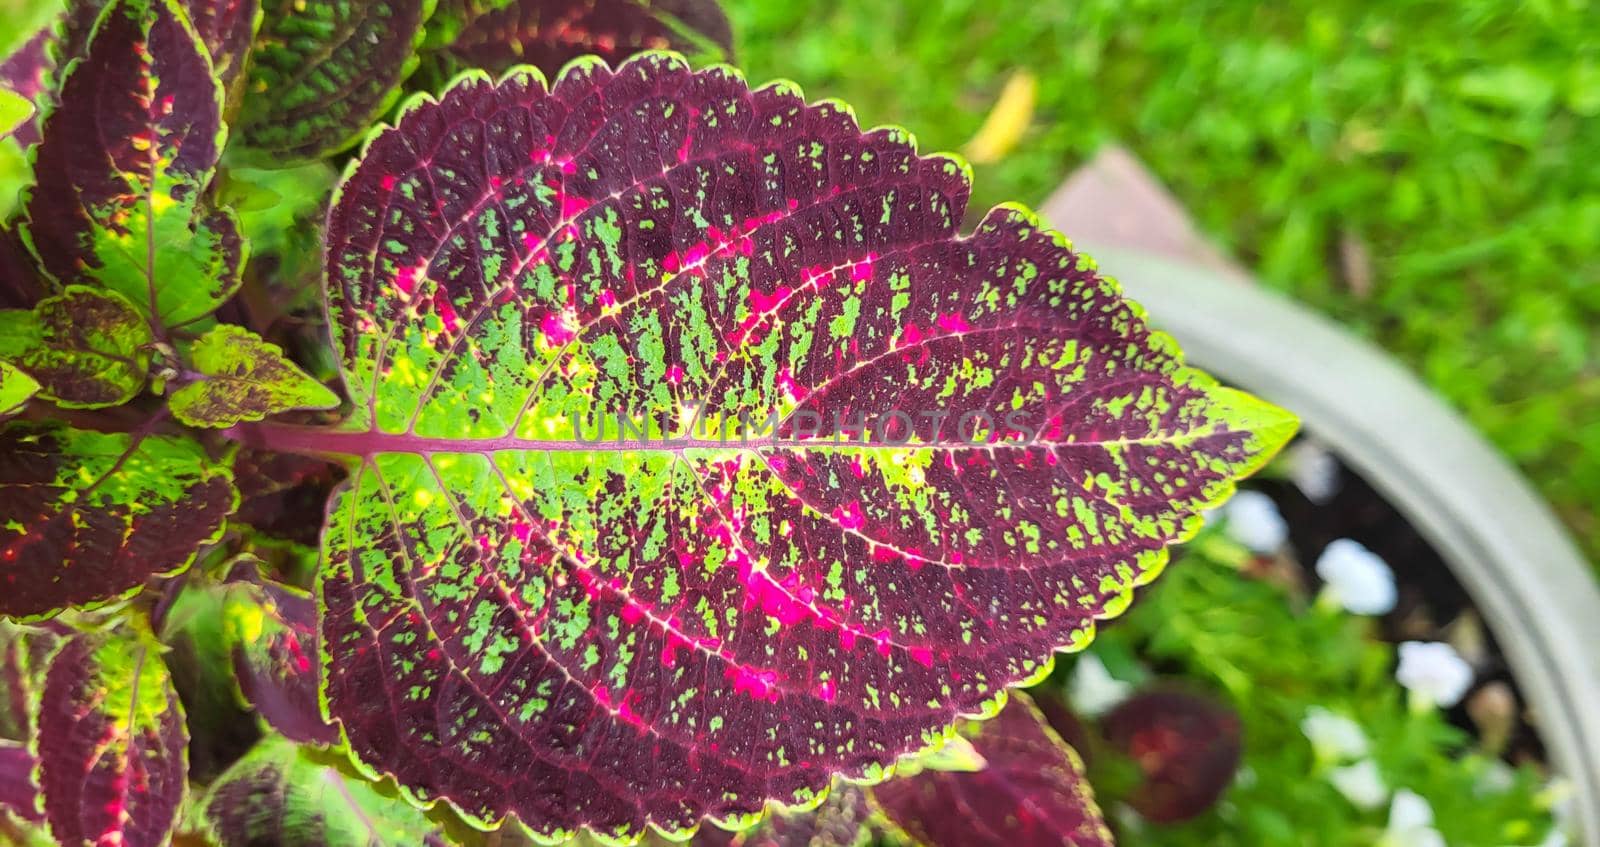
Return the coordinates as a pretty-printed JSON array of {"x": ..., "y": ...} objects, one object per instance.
[{"x": 16, "y": 388}]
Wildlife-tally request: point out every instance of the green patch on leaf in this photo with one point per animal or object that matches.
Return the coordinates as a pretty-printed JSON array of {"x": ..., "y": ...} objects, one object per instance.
[
  {"x": 125, "y": 164},
  {"x": 241, "y": 377},
  {"x": 86, "y": 348},
  {"x": 14, "y": 109},
  {"x": 16, "y": 388},
  {"x": 89, "y": 516}
]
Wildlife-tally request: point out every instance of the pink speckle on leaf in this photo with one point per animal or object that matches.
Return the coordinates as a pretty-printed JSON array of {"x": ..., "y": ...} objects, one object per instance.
[
  {"x": 954, "y": 323},
  {"x": 849, "y": 515},
  {"x": 675, "y": 375},
  {"x": 557, "y": 331}
]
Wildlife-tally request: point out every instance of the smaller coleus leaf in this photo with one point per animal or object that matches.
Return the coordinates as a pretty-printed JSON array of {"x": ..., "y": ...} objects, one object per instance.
[
  {"x": 16, "y": 389},
  {"x": 271, "y": 632},
  {"x": 322, "y": 71},
  {"x": 88, "y": 348},
  {"x": 227, "y": 28},
  {"x": 19, "y": 792},
  {"x": 111, "y": 742},
  {"x": 287, "y": 796},
  {"x": 497, "y": 34},
  {"x": 242, "y": 377},
  {"x": 90, "y": 516},
  {"x": 1186, "y": 747},
  {"x": 125, "y": 164},
  {"x": 843, "y": 820},
  {"x": 1032, "y": 791}
]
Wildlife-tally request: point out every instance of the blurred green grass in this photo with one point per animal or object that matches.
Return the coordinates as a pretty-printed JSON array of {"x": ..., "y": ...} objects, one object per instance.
[{"x": 1454, "y": 147}]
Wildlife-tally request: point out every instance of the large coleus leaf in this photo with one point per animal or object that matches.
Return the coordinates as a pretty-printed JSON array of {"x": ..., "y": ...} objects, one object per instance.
[
  {"x": 89, "y": 516},
  {"x": 497, "y": 34},
  {"x": 1031, "y": 791},
  {"x": 87, "y": 348},
  {"x": 124, "y": 167},
  {"x": 281, "y": 795},
  {"x": 238, "y": 376},
  {"x": 272, "y": 638},
  {"x": 322, "y": 71},
  {"x": 520, "y": 619},
  {"x": 111, "y": 743}
]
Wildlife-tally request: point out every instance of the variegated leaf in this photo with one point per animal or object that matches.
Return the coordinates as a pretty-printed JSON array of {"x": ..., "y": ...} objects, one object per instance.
[
  {"x": 124, "y": 166},
  {"x": 281, "y": 795},
  {"x": 87, "y": 348},
  {"x": 323, "y": 70},
  {"x": 111, "y": 743},
  {"x": 654, "y": 629},
  {"x": 90, "y": 516},
  {"x": 498, "y": 34},
  {"x": 240, "y": 377},
  {"x": 272, "y": 638}
]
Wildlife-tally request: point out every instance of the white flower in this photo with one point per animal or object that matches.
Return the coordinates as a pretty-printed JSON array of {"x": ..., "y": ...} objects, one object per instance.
[
  {"x": 1333, "y": 737},
  {"x": 1252, "y": 519},
  {"x": 1361, "y": 784},
  {"x": 1093, "y": 690},
  {"x": 1314, "y": 471},
  {"x": 1434, "y": 671},
  {"x": 1360, "y": 581},
  {"x": 1411, "y": 822}
]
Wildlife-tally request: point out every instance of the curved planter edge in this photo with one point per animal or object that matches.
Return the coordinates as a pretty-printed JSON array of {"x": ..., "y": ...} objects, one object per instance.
[{"x": 1538, "y": 594}]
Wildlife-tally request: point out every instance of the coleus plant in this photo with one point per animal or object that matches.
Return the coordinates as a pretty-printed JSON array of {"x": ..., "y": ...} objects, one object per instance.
[{"x": 677, "y": 456}]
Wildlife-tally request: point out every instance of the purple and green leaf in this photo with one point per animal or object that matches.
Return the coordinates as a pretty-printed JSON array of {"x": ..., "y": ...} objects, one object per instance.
[
  {"x": 498, "y": 34},
  {"x": 24, "y": 653},
  {"x": 125, "y": 164},
  {"x": 285, "y": 796},
  {"x": 610, "y": 634},
  {"x": 90, "y": 516},
  {"x": 1031, "y": 791},
  {"x": 272, "y": 638},
  {"x": 323, "y": 71},
  {"x": 111, "y": 743},
  {"x": 240, "y": 377},
  {"x": 87, "y": 348},
  {"x": 26, "y": 73}
]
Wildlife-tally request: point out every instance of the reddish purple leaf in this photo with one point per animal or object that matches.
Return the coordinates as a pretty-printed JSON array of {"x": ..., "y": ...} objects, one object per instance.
[
  {"x": 272, "y": 635},
  {"x": 19, "y": 794},
  {"x": 91, "y": 516},
  {"x": 495, "y": 34},
  {"x": 283, "y": 495},
  {"x": 20, "y": 285},
  {"x": 112, "y": 743},
  {"x": 1187, "y": 746},
  {"x": 607, "y": 635},
  {"x": 1030, "y": 791},
  {"x": 226, "y": 27}
]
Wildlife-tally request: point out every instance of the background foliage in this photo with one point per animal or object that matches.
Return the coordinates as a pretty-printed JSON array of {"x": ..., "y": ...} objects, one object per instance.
[{"x": 1448, "y": 146}]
